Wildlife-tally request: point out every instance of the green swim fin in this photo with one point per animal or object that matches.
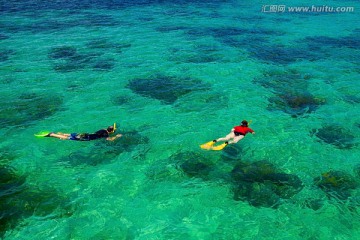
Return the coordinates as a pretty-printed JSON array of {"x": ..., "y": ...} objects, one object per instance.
[
  {"x": 42, "y": 134},
  {"x": 219, "y": 147},
  {"x": 207, "y": 145}
]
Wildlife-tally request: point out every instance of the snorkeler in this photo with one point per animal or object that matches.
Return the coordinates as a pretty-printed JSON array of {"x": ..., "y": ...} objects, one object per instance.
[
  {"x": 237, "y": 133},
  {"x": 103, "y": 133}
]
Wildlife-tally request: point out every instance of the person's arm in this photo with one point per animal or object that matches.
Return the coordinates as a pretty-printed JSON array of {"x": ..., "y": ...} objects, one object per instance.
[
  {"x": 251, "y": 131},
  {"x": 114, "y": 137}
]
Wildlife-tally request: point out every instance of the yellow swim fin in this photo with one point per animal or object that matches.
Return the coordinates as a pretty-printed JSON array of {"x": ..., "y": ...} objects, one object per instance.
[
  {"x": 219, "y": 147},
  {"x": 207, "y": 145},
  {"x": 42, "y": 134}
]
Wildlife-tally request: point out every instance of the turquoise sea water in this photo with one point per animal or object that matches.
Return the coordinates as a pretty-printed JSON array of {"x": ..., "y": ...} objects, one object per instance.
[{"x": 174, "y": 75}]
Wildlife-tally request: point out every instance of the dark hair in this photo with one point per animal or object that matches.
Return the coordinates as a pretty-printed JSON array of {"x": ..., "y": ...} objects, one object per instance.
[
  {"x": 244, "y": 123},
  {"x": 110, "y": 129}
]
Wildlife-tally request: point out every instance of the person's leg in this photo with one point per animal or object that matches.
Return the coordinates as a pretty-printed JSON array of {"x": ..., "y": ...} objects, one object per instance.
[
  {"x": 227, "y": 138},
  {"x": 60, "y": 136},
  {"x": 236, "y": 139}
]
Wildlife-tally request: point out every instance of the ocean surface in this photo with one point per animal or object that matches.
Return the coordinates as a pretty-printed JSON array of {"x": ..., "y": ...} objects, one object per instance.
[{"x": 173, "y": 75}]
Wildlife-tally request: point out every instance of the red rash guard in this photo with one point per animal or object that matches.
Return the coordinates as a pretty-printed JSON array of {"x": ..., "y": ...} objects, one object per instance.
[{"x": 241, "y": 130}]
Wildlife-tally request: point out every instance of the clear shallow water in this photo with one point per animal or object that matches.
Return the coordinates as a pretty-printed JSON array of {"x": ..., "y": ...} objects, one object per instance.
[{"x": 82, "y": 66}]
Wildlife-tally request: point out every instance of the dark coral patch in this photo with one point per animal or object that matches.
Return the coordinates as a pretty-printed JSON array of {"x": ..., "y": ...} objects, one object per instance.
[
  {"x": 27, "y": 108},
  {"x": 195, "y": 168},
  {"x": 199, "y": 54},
  {"x": 98, "y": 20},
  {"x": 207, "y": 101},
  {"x": 105, "y": 152},
  {"x": 106, "y": 45},
  {"x": 284, "y": 185},
  {"x": 261, "y": 184},
  {"x": 232, "y": 152},
  {"x": 121, "y": 100},
  {"x": 18, "y": 200},
  {"x": 319, "y": 42},
  {"x": 283, "y": 54},
  {"x": 254, "y": 172},
  {"x": 166, "y": 88},
  {"x": 257, "y": 194},
  {"x": 234, "y": 31},
  {"x": 284, "y": 82},
  {"x": 357, "y": 171},
  {"x": 314, "y": 204},
  {"x": 291, "y": 94},
  {"x": 336, "y": 136},
  {"x": 3, "y": 36},
  {"x": 62, "y": 52},
  {"x": 104, "y": 64},
  {"x": 193, "y": 164},
  {"x": 129, "y": 141},
  {"x": 296, "y": 104},
  {"x": 10, "y": 184},
  {"x": 165, "y": 29},
  {"x": 256, "y": 42},
  {"x": 68, "y": 59},
  {"x": 336, "y": 184},
  {"x": 5, "y": 55}
]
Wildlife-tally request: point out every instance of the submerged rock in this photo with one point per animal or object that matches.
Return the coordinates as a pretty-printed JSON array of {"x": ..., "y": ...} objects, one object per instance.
[
  {"x": 284, "y": 82},
  {"x": 204, "y": 101},
  {"x": 254, "y": 181},
  {"x": 28, "y": 108},
  {"x": 18, "y": 201},
  {"x": 3, "y": 36},
  {"x": 336, "y": 184},
  {"x": 195, "y": 168},
  {"x": 336, "y": 136},
  {"x": 296, "y": 104},
  {"x": 291, "y": 92},
  {"x": 10, "y": 185},
  {"x": 314, "y": 204},
  {"x": 199, "y": 54},
  {"x": 318, "y": 42},
  {"x": 257, "y": 195},
  {"x": 193, "y": 164},
  {"x": 232, "y": 152},
  {"x": 106, "y": 45},
  {"x": 357, "y": 171},
  {"x": 105, "y": 152},
  {"x": 68, "y": 59},
  {"x": 5, "y": 55},
  {"x": 254, "y": 172},
  {"x": 166, "y": 88},
  {"x": 104, "y": 64},
  {"x": 280, "y": 54},
  {"x": 284, "y": 185},
  {"x": 62, "y": 52}
]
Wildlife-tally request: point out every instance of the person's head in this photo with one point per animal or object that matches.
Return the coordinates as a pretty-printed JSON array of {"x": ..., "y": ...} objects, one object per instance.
[
  {"x": 244, "y": 123},
  {"x": 110, "y": 129}
]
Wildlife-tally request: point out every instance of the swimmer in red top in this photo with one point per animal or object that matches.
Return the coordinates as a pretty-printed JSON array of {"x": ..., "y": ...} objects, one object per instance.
[{"x": 236, "y": 134}]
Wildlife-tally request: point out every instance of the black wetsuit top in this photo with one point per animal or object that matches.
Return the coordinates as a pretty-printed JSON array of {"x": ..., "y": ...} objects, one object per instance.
[
  {"x": 92, "y": 136},
  {"x": 99, "y": 134}
]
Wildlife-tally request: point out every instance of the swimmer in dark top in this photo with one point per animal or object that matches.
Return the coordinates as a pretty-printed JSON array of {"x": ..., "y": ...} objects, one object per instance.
[
  {"x": 237, "y": 133},
  {"x": 103, "y": 133}
]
